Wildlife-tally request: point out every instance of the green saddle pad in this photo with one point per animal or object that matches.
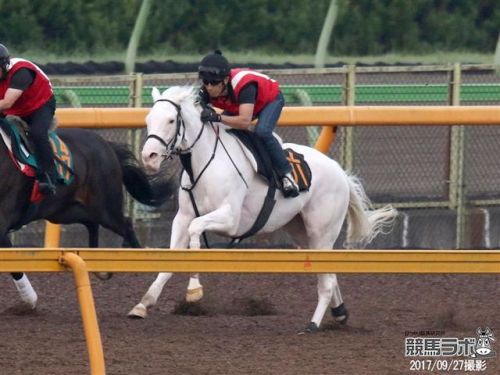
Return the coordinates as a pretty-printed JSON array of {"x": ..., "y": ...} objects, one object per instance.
[{"x": 22, "y": 150}]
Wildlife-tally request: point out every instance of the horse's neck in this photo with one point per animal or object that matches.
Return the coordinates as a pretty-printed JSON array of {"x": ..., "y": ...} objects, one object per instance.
[
  {"x": 202, "y": 147},
  {"x": 227, "y": 152}
]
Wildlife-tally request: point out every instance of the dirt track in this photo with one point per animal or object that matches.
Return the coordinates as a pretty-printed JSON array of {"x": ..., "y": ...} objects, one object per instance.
[{"x": 249, "y": 324}]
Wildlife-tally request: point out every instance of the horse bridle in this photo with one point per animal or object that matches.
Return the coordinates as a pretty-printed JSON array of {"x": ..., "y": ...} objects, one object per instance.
[
  {"x": 179, "y": 126},
  {"x": 170, "y": 146}
]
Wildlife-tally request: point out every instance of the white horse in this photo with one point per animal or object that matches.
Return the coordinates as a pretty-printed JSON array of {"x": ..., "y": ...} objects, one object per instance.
[{"x": 229, "y": 194}]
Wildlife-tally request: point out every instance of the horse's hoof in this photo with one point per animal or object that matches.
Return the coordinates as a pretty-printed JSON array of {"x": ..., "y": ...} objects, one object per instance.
[
  {"x": 104, "y": 275},
  {"x": 311, "y": 328},
  {"x": 138, "y": 312},
  {"x": 28, "y": 305},
  {"x": 29, "y": 297},
  {"x": 340, "y": 314},
  {"x": 194, "y": 295}
]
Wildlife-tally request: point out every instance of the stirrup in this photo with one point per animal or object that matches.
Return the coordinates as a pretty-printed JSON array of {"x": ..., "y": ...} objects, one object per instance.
[
  {"x": 290, "y": 188},
  {"x": 45, "y": 185}
]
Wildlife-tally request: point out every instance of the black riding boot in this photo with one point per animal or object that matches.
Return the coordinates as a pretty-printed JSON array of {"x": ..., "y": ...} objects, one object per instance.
[
  {"x": 47, "y": 183},
  {"x": 46, "y": 174}
]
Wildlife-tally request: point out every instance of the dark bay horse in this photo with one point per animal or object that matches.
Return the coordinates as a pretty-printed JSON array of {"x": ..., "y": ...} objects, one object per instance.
[{"x": 93, "y": 198}]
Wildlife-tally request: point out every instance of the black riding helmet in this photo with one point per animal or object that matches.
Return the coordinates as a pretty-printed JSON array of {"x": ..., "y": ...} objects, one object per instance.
[
  {"x": 4, "y": 58},
  {"x": 213, "y": 66}
]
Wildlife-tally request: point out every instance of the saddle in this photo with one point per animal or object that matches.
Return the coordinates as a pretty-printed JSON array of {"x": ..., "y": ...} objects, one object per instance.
[
  {"x": 14, "y": 132},
  {"x": 263, "y": 166}
]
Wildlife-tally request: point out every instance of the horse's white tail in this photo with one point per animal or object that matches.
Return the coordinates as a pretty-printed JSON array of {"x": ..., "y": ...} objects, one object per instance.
[{"x": 363, "y": 222}]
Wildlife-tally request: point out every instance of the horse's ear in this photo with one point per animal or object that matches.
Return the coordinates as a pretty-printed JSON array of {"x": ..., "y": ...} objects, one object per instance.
[{"x": 155, "y": 93}]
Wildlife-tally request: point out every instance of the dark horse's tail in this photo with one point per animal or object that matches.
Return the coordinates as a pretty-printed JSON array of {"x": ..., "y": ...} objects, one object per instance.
[{"x": 149, "y": 190}]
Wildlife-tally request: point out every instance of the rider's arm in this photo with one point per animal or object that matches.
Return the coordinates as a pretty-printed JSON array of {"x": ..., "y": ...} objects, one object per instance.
[
  {"x": 247, "y": 98},
  {"x": 10, "y": 97},
  {"x": 21, "y": 80}
]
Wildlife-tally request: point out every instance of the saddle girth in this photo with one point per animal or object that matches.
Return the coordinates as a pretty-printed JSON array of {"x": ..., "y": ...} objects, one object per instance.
[{"x": 262, "y": 217}]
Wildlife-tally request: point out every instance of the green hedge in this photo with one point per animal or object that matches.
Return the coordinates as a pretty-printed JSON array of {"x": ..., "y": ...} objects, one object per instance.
[{"x": 279, "y": 26}]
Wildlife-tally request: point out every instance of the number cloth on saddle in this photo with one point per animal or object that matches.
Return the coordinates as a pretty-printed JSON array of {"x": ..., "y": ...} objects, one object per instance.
[{"x": 22, "y": 150}]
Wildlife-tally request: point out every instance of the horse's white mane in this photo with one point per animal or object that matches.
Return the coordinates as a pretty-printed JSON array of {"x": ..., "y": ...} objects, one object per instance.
[{"x": 180, "y": 93}]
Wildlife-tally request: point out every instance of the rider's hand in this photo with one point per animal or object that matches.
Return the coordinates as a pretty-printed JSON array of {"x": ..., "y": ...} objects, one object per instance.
[
  {"x": 209, "y": 115},
  {"x": 203, "y": 97}
]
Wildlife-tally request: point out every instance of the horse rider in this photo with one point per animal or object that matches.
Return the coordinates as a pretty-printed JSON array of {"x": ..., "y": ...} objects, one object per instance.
[
  {"x": 243, "y": 95},
  {"x": 26, "y": 91}
]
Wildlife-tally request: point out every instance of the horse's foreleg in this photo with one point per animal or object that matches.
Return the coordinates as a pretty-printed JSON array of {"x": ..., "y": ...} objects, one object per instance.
[
  {"x": 195, "y": 289},
  {"x": 151, "y": 297},
  {"x": 179, "y": 239},
  {"x": 219, "y": 220}
]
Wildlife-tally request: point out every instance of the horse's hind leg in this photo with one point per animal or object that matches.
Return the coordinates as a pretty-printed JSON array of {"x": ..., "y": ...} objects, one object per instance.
[
  {"x": 328, "y": 287},
  {"x": 129, "y": 236},
  {"x": 322, "y": 232},
  {"x": 93, "y": 232},
  {"x": 122, "y": 226},
  {"x": 328, "y": 293}
]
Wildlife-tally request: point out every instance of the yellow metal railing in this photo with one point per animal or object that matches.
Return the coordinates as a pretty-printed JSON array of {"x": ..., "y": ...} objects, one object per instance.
[
  {"x": 84, "y": 260},
  {"x": 256, "y": 261},
  {"x": 154, "y": 260},
  {"x": 304, "y": 116}
]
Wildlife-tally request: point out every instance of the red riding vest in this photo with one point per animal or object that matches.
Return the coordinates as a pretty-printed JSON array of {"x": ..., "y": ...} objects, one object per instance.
[
  {"x": 34, "y": 96},
  {"x": 267, "y": 90}
]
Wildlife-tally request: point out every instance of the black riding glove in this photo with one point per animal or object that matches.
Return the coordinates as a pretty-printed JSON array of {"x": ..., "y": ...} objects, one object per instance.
[
  {"x": 203, "y": 97},
  {"x": 209, "y": 115}
]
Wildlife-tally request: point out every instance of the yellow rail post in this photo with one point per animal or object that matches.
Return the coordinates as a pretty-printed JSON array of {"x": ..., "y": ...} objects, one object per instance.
[
  {"x": 52, "y": 234},
  {"x": 87, "y": 309},
  {"x": 326, "y": 138}
]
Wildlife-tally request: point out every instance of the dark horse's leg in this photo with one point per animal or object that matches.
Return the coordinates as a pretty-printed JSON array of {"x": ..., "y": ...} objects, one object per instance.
[
  {"x": 121, "y": 225},
  {"x": 5, "y": 242},
  {"x": 93, "y": 231},
  {"x": 21, "y": 281},
  {"x": 130, "y": 238}
]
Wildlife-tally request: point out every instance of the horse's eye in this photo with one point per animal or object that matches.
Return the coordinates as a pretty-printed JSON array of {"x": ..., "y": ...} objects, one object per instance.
[{"x": 171, "y": 122}]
